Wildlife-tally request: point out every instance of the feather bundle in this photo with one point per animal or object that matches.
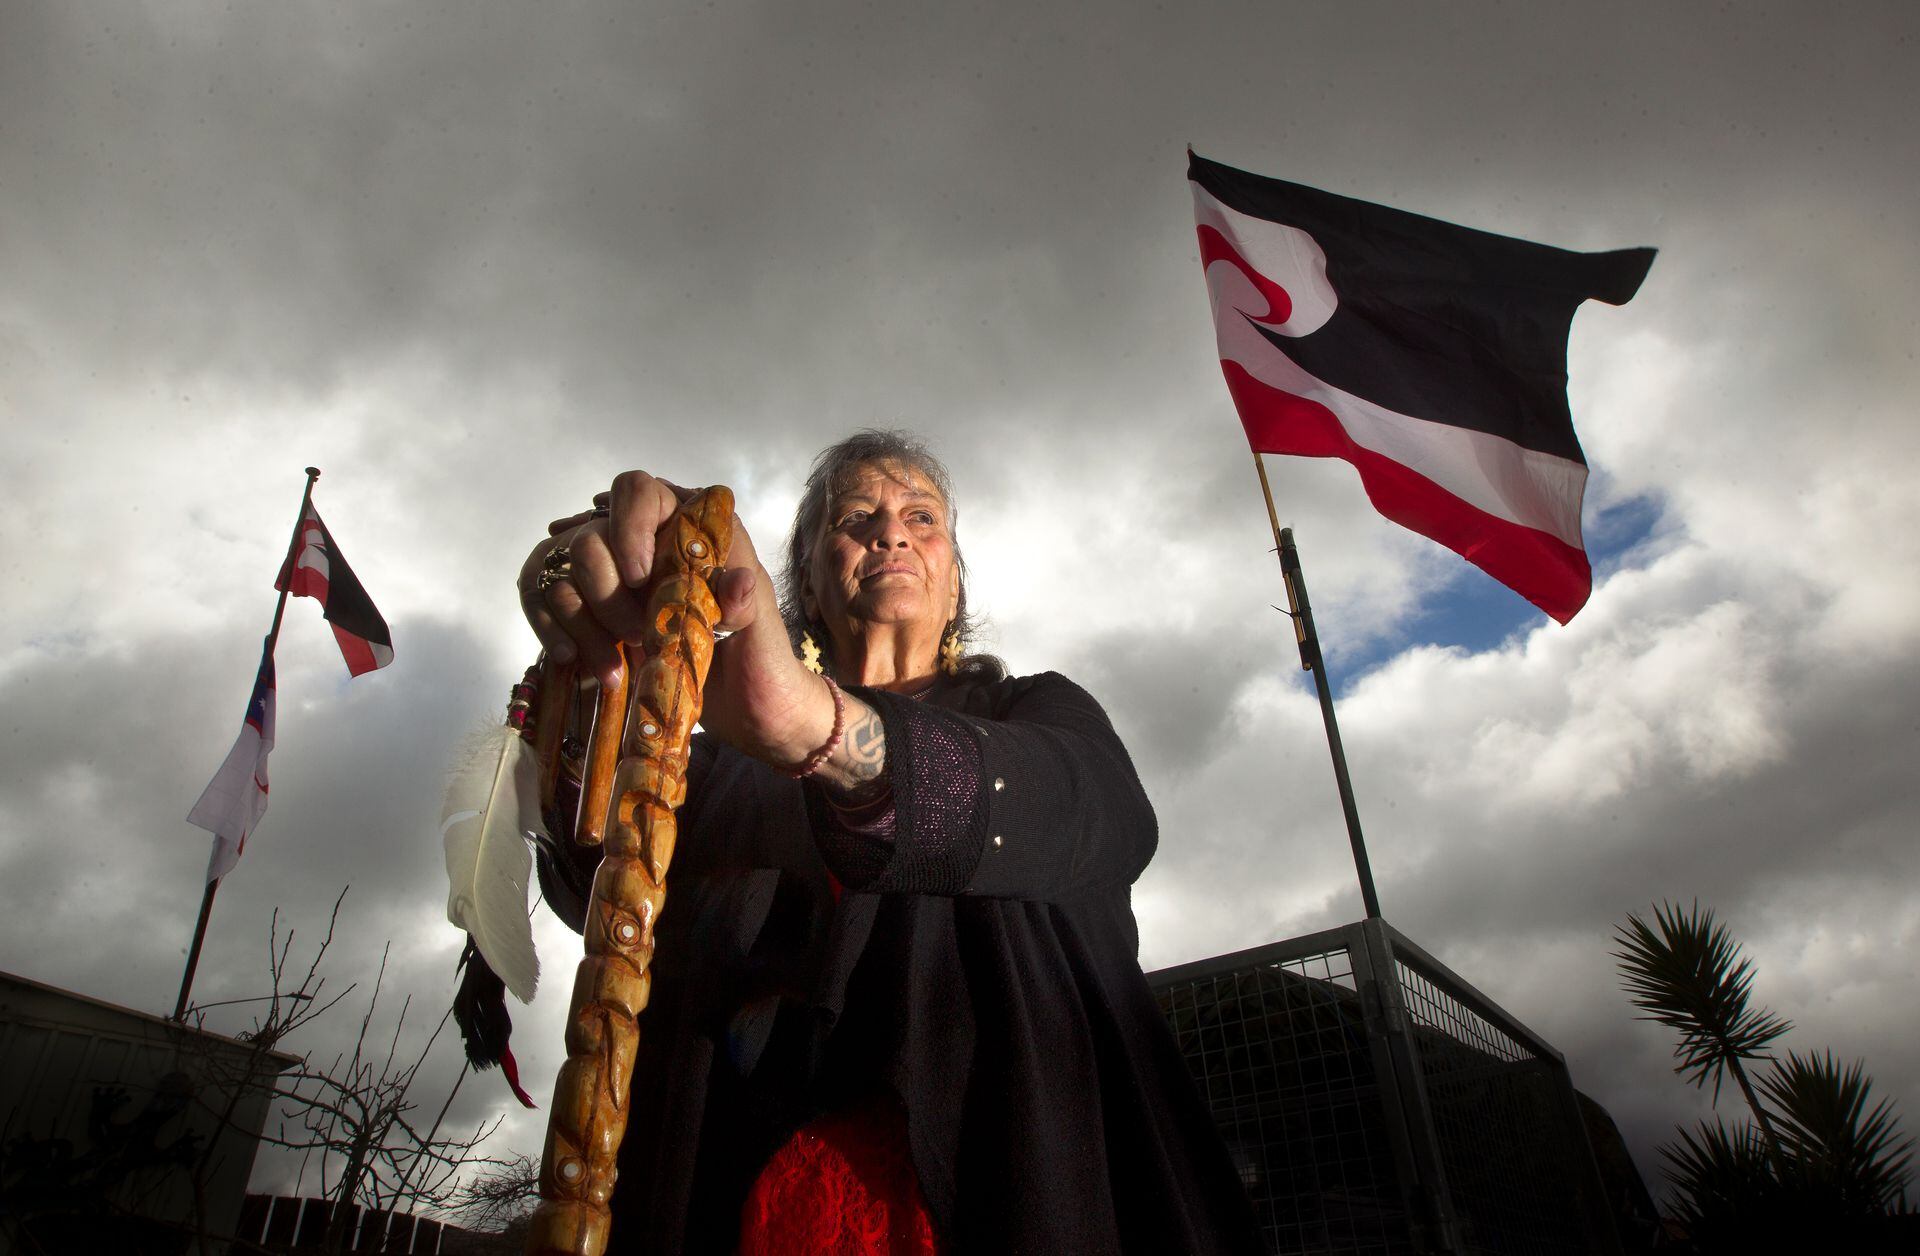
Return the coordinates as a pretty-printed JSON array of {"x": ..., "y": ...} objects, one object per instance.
[
  {"x": 480, "y": 1009},
  {"x": 492, "y": 802}
]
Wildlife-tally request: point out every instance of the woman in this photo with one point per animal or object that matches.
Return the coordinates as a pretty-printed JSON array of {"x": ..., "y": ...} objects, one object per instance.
[{"x": 897, "y": 1005}]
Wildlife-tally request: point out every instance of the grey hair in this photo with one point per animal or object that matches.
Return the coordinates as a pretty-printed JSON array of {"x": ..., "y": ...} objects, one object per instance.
[{"x": 832, "y": 468}]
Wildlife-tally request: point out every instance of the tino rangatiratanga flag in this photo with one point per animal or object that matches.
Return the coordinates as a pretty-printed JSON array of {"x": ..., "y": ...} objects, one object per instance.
[
  {"x": 316, "y": 568},
  {"x": 1432, "y": 357},
  {"x": 236, "y": 798}
]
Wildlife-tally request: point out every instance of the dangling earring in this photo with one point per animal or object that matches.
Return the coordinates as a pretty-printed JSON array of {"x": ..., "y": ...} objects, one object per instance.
[
  {"x": 950, "y": 651},
  {"x": 810, "y": 654}
]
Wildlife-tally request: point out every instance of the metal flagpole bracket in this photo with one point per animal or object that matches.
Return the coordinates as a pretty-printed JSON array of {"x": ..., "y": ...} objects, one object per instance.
[{"x": 1297, "y": 607}]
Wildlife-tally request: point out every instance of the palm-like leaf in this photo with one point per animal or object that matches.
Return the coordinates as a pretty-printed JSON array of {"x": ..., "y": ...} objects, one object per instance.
[
  {"x": 1736, "y": 1198},
  {"x": 1821, "y": 1114},
  {"x": 1688, "y": 975},
  {"x": 1825, "y": 1164},
  {"x": 1720, "y": 1173}
]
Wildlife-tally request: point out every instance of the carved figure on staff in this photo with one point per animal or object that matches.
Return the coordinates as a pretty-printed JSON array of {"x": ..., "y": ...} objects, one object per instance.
[{"x": 896, "y": 1004}]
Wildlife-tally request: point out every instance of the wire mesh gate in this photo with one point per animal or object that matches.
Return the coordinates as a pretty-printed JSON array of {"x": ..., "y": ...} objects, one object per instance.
[{"x": 1378, "y": 1105}]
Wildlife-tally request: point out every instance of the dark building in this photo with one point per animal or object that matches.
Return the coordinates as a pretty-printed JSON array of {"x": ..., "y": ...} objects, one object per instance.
[
  {"x": 121, "y": 1131},
  {"x": 1377, "y": 1104}
]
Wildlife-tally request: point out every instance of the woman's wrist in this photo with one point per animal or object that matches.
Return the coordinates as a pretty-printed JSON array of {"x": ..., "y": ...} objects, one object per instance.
[
  {"x": 820, "y": 754},
  {"x": 834, "y": 738},
  {"x": 791, "y": 711}
]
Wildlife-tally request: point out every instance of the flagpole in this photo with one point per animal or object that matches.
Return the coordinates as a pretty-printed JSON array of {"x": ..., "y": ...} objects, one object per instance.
[
  {"x": 1309, "y": 641},
  {"x": 273, "y": 639}
]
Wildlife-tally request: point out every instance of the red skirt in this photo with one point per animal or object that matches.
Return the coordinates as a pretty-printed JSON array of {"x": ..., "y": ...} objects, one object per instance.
[{"x": 842, "y": 1186}]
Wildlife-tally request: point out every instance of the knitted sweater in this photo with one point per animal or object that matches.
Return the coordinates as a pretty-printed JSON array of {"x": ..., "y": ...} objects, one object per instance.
[{"x": 981, "y": 966}]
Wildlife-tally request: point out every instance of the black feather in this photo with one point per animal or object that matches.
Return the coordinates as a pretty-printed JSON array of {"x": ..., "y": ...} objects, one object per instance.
[{"x": 480, "y": 1009}]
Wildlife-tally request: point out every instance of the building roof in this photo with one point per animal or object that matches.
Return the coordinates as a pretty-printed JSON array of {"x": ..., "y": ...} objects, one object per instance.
[{"x": 145, "y": 1020}]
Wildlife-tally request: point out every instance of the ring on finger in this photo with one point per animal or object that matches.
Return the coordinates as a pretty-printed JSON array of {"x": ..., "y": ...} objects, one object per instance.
[{"x": 555, "y": 567}]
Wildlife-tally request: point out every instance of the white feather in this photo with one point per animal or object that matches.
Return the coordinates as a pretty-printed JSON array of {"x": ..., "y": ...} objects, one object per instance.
[{"x": 493, "y": 799}]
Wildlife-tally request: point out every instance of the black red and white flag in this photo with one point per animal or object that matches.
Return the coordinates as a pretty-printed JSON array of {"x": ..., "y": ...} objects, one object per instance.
[
  {"x": 1432, "y": 357},
  {"x": 234, "y": 800},
  {"x": 315, "y": 568}
]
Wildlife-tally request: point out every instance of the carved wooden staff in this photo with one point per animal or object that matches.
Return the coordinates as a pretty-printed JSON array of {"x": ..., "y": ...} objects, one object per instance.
[{"x": 590, "y": 1096}]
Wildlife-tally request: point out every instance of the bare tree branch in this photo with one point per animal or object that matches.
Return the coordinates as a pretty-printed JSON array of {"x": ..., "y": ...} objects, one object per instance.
[{"x": 355, "y": 1112}]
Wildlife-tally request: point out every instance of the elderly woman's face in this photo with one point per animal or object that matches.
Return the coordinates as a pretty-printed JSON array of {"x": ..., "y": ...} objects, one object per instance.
[{"x": 887, "y": 554}]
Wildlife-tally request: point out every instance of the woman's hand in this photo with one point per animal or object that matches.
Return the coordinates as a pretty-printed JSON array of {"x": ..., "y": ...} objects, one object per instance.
[{"x": 758, "y": 697}]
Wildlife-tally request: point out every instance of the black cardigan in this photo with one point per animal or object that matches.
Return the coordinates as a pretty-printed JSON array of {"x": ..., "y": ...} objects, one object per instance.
[{"x": 985, "y": 972}]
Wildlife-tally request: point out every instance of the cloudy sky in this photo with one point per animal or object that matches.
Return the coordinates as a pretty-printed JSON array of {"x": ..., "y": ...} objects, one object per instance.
[{"x": 471, "y": 260}]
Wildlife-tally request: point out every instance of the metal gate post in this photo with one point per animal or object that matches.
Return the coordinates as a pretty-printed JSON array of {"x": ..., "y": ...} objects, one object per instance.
[{"x": 1402, "y": 1076}]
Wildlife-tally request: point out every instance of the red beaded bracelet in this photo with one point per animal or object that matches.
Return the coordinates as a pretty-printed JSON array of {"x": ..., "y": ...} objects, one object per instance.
[{"x": 820, "y": 756}]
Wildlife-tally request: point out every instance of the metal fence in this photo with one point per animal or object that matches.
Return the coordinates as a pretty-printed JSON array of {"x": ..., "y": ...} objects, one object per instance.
[
  {"x": 286, "y": 1223},
  {"x": 1376, "y": 1104}
]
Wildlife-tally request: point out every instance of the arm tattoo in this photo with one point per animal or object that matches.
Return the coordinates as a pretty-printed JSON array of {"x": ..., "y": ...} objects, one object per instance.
[{"x": 864, "y": 765}]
